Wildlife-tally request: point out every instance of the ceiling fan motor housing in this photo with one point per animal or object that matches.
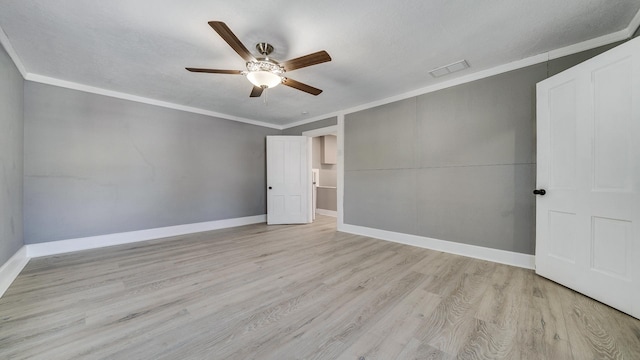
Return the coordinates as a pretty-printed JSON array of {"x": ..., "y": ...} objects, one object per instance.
[{"x": 264, "y": 48}]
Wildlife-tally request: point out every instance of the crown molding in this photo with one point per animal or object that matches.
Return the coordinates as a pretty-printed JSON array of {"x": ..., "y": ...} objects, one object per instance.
[
  {"x": 453, "y": 82},
  {"x": 482, "y": 74},
  {"x": 6, "y": 43},
  {"x": 620, "y": 35},
  {"x": 329, "y": 130},
  {"x": 120, "y": 95},
  {"x": 591, "y": 44},
  {"x": 633, "y": 25},
  {"x": 310, "y": 120},
  {"x": 4, "y": 40}
]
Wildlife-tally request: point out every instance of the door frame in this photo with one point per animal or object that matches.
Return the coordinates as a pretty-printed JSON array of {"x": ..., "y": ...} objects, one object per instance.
[{"x": 329, "y": 130}]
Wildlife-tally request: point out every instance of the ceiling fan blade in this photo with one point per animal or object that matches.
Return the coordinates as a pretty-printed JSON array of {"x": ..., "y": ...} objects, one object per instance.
[
  {"x": 256, "y": 91},
  {"x": 307, "y": 60},
  {"x": 227, "y": 35},
  {"x": 300, "y": 86},
  {"x": 215, "y": 71}
]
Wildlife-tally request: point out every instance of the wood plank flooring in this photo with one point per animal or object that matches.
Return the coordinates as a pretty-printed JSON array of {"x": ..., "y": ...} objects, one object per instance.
[{"x": 298, "y": 292}]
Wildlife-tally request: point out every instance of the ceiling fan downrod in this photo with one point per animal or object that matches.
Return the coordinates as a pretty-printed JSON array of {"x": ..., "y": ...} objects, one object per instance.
[{"x": 264, "y": 48}]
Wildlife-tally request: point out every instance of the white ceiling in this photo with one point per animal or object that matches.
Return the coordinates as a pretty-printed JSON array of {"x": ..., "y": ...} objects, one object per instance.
[{"x": 379, "y": 48}]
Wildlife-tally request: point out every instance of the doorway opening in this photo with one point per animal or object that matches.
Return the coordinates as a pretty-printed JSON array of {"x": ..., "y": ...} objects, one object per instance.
[{"x": 324, "y": 171}]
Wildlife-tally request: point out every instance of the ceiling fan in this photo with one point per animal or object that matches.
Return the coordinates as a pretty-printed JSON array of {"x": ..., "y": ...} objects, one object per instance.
[{"x": 264, "y": 72}]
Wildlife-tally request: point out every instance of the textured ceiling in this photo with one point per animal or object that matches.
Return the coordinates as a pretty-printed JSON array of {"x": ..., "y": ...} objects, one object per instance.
[{"x": 379, "y": 48}]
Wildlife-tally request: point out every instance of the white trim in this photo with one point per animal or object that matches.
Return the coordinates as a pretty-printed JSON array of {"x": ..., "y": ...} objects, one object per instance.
[
  {"x": 633, "y": 25},
  {"x": 4, "y": 40},
  {"x": 308, "y": 171},
  {"x": 329, "y": 130},
  {"x": 431, "y": 88},
  {"x": 310, "y": 120},
  {"x": 120, "y": 95},
  {"x": 453, "y": 82},
  {"x": 340, "y": 172},
  {"x": 553, "y": 54},
  {"x": 326, "y": 212},
  {"x": 428, "y": 89},
  {"x": 12, "y": 268},
  {"x": 94, "y": 242},
  {"x": 499, "y": 256},
  {"x": 500, "y": 69},
  {"x": 590, "y": 44}
]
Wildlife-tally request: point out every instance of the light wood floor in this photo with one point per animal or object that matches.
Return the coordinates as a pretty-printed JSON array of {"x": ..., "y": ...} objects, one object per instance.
[{"x": 298, "y": 292}]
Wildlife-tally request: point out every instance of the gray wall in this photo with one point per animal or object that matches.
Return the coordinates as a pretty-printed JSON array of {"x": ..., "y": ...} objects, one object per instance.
[
  {"x": 327, "y": 198},
  {"x": 98, "y": 165},
  {"x": 457, "y": 164},
  {"x": 11, "y": 152}
]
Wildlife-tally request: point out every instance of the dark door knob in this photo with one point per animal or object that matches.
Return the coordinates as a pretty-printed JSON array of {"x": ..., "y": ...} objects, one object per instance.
[
  {"x": 539, "y": 192},
  {"x": 270, "y": 187}
]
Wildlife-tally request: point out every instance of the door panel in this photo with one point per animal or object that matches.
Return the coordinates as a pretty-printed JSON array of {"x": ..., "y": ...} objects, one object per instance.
[
  {"x": 611, "y": 241},
  {"x": 562, "y": 237},
  {"x": 587, "y": 224},
  {"x": 612, "y": 126},
  {"x": 562, "y": 110},
  {"x": 288, "y": 181}
]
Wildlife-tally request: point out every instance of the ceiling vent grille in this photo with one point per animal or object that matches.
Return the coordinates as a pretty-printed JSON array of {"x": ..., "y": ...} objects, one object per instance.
[{"x": 448, "y": 69}]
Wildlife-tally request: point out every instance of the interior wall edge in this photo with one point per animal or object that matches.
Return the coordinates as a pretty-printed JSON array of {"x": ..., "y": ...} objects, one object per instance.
[
  {"x": 340, "y": 172},
  {"x": 525, "y": 261},
  {"x": 11, "y": 153},
  {"x": 100, "y": 241},
  {"x": 10, "y": 270}
]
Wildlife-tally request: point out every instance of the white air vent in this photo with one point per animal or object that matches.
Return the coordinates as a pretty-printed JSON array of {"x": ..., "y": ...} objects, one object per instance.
[{"x": 448, "y": 69}]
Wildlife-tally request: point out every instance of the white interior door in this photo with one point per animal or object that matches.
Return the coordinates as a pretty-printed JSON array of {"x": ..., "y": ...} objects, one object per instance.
[
  {"x": 288, "y": 180},
  {"x": 588, "y": 161}
]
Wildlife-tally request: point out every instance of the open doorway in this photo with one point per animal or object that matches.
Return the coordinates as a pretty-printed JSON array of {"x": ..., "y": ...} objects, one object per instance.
[{"x": 324, "y": 171}]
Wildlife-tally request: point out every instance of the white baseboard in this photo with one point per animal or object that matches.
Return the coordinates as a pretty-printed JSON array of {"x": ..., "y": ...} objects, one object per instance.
[
  {"x": 11, "y": 269},
  {"x": 499, "y": 256},
  {"x": 327, "y": 212},
  {"x": 94, "y": 242}
]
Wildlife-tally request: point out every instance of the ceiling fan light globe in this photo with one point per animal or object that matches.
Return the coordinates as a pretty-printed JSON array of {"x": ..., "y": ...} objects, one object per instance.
[{"x": 264, "y": 79}]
